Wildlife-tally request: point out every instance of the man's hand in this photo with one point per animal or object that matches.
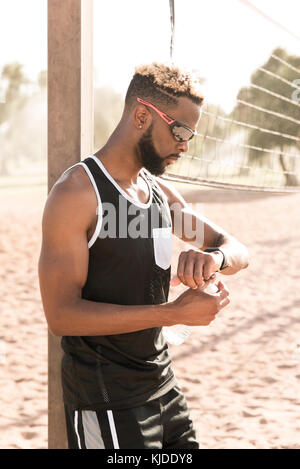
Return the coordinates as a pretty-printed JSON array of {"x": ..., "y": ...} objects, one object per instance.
[
  {"x": 197, "y": 268},
  {"x": 198, "y": 308}
]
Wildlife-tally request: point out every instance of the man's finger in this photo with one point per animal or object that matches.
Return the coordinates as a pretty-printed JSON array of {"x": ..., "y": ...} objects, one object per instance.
[
  {"x": 209, "y": 282},
  {"x": 222, "y": 287},
  {"x": 223, "y": 303},
  {"x": 223, "y": 294},
  {"x": 198, "y": 273},
  {"x": 211, "y": 279},
  {"x": 180, "y": 268},
  {"x": 208, "y": 270},
  {"x": 189, "y": 272}
]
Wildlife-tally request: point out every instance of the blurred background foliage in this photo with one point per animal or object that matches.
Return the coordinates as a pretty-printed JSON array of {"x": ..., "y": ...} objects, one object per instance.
[{"x": 23, "y": 120}]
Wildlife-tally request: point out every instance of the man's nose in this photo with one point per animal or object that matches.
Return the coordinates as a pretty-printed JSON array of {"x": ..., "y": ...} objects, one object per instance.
[{"x": 183, "y": 147}]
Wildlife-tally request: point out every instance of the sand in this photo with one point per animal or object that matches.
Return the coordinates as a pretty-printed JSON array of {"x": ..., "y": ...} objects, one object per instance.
[{"x": 240, "y": 375}]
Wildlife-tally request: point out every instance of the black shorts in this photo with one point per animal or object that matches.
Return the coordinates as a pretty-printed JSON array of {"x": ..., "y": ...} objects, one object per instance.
[{"x": 161, "y": 423}]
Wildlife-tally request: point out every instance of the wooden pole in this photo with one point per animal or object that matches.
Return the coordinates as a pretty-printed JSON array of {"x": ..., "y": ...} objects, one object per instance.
[{"x": 70, "y": 138}]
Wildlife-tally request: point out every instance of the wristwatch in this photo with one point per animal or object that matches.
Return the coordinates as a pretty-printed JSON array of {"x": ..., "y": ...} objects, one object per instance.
[{"x": 225, "y": 262}]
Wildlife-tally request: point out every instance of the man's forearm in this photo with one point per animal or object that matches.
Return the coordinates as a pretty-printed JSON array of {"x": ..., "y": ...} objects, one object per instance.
[
  {"x": 90, "y": 318},
  {"x": 236, "y": 254}
]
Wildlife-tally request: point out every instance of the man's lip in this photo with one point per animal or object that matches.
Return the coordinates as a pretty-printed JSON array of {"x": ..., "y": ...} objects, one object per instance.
[
  {"x": 175, "y": 158},
  {"x": 172, "y": 159}
]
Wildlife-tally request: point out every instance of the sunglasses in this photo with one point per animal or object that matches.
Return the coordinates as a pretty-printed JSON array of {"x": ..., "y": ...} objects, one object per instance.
[{"x": 180, "y": 132}]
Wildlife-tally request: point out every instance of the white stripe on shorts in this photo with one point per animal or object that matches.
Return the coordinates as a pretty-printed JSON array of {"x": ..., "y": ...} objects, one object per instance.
[
  {"x": 76, "y": 428},
  {"x": 113, "y": 429},
  {"x": 92, "y": 433}
]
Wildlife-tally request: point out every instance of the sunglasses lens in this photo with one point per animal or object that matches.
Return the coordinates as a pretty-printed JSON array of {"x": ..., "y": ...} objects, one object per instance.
[{"x": 182, "y": 134}]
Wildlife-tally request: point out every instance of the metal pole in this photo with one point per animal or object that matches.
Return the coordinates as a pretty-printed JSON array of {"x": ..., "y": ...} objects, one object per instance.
[
  {"x": 172, "y": 19},
  {"x": 70, "y": 138}
]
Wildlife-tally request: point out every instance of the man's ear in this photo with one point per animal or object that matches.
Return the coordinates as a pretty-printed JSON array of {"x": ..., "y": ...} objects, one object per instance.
[{"x": 142, "y": 118}]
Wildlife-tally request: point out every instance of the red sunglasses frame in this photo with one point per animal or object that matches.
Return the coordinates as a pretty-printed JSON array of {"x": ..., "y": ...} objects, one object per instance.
[{"x": 169, "y": 120}]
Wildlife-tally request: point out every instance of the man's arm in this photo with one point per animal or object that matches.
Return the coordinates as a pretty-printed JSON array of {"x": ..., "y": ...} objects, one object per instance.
[
  {"x": 193, "y": 228},
  {"x": 63, "y": 266}
]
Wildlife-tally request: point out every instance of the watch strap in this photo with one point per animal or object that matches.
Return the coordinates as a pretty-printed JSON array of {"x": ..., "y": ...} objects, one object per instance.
[{"x": 224, "y": 262}]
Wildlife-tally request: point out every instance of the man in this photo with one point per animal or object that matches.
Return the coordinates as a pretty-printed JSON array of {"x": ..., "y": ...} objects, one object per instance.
[{"x": 105, "y": 271}]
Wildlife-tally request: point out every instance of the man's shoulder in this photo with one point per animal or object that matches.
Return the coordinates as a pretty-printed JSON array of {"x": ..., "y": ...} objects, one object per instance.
[
  {"x": 72, "y": 179},
  {"x": 72, "y": 185},
  {"x": 72, "y": 192}
]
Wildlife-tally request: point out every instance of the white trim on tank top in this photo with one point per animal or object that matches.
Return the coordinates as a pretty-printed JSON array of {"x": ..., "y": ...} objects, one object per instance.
[
  {"x": 99, "y": 207},
  {"x": 122, "y": 192}
]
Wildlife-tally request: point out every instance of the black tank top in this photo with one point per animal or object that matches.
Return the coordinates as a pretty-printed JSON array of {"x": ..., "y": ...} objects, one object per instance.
[{"x": 129, "y": 264}]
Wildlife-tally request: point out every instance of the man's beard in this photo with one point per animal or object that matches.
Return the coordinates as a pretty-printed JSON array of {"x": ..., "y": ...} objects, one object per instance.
[{"x": 149, "y": 157}]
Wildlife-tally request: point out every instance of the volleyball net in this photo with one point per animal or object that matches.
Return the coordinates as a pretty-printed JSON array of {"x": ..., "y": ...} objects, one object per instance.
[{"x": 257, "y": 145}]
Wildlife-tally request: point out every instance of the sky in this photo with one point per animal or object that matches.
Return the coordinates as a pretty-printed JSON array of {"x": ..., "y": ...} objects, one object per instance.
[{"x": 222, "y": 39}]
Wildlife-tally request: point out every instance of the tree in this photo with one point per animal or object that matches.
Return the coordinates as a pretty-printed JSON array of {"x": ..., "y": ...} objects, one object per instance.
[
  {"x": 13, "y": 75},
  {"x": 14, "y": 100},
  {"x": 23, "y": 119},
  {"x": 273, "y": 123}
]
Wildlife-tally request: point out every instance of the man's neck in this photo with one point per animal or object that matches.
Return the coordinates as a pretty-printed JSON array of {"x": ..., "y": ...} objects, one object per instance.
[{"x": 120, "y": 159}]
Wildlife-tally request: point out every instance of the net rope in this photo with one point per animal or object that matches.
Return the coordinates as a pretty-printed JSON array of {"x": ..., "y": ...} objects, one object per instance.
[
  {"x": 274, "y": 75},
  {"x": 251, "y": 126},
  {"x": 297, "y": 70}
]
